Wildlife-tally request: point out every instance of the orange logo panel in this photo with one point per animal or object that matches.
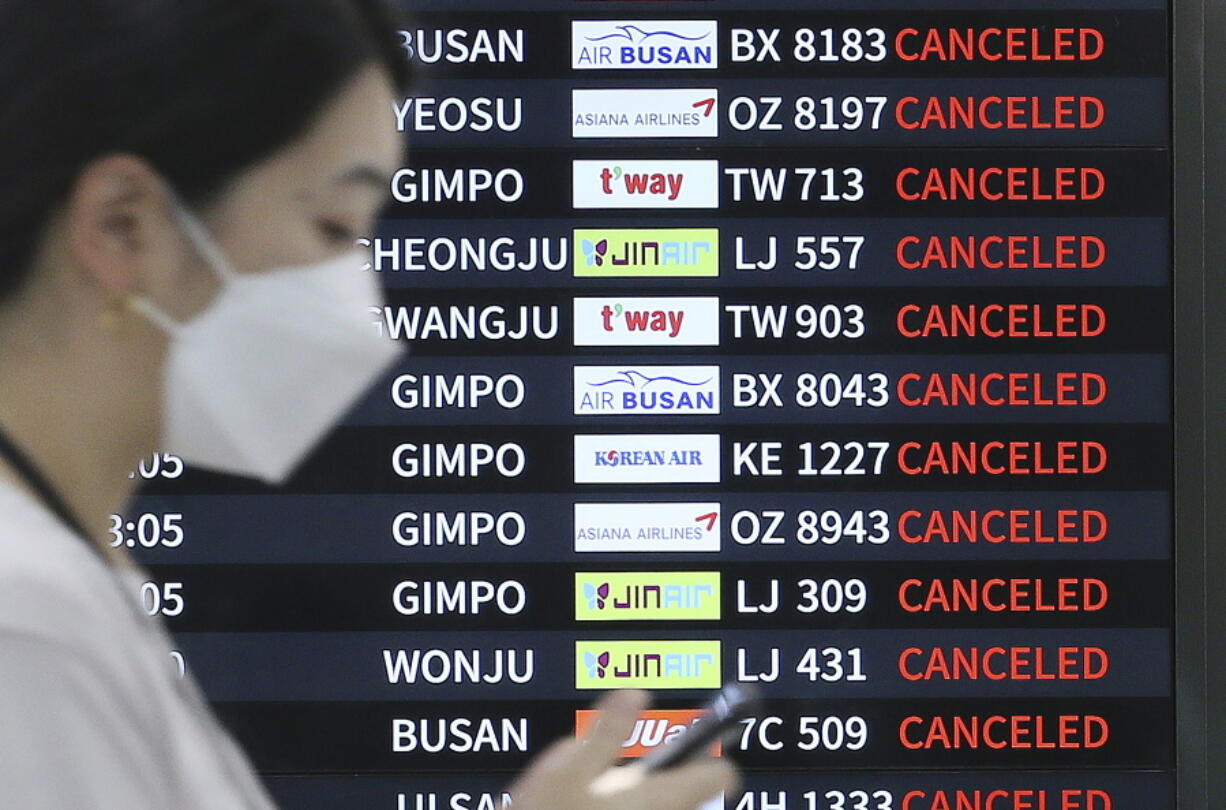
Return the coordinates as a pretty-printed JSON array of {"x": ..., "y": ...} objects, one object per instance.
[{"x": 653, "y": 728}]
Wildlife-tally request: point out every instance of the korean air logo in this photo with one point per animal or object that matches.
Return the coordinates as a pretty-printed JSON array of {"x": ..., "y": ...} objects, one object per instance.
[
  {"x": 647, "y": 459},
  {"x": 645, "y": 45},
  {"x": 655, "y": 390}
]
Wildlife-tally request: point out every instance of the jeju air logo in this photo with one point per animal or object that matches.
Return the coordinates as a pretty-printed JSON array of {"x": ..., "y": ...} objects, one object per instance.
[{"x": 654, "y": 727}]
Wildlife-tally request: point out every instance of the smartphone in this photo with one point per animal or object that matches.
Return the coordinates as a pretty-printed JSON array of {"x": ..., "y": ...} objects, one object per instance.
[{"x": 732, "y": 704}]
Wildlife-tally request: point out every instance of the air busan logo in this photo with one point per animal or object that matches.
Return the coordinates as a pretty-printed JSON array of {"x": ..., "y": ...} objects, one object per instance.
[
  {"x": 648, "y": 459},
  {"x": 644, "y": 44},
  {"x": 647, "y": 253},
  {"x": 647, "y": 664},
  {"x": 622, "y": 391},
  {"x": 639, "y": 527},
  {"x": 655, "y": 727},
  {"x": 645, "y": 113},
  {"x": 646, "y": 184},
  {"x": 614, "y": 596},
  {"x": 678, "y": 321}
]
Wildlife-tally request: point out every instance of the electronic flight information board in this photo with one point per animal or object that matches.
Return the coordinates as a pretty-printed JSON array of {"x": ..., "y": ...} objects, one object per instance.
[{"x": 825, "y": 346}]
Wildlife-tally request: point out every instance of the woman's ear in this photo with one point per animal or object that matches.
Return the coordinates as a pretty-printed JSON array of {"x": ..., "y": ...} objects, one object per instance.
[{"x": 117, "y": 227}]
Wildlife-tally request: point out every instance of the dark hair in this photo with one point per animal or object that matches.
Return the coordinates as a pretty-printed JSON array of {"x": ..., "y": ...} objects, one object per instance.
[{"x": 202, "y": 89}]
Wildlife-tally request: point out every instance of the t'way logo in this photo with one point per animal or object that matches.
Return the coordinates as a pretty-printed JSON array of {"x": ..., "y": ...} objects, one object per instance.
[
  {"x": 642, "y": 320},
  {"x": 642, "y": 182},
  {"x": 677, "y": 321},
  {"x": 646, "y": 184}
]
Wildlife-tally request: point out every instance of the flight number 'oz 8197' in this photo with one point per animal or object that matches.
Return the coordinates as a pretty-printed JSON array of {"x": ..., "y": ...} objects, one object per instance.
[{"x": 807, "y": 113}]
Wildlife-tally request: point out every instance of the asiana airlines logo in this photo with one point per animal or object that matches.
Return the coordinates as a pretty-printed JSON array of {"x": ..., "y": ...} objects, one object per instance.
[
  {"x": 646, "y": 527},
  {"x": 645, "y": 113},
  {"x": 647, "y": 665},
  {"x": 662, "y": 595}
]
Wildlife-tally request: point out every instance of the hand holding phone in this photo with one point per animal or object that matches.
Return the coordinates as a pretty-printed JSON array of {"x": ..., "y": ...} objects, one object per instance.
[
  {"x": 581, "y": 774},
  {"x": 723, "y": 714},
  {"x": 732, "y": 704}
]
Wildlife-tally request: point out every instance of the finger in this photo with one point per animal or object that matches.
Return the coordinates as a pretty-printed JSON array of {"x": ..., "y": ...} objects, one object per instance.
[
  {"x": 618, "y": 712},
  {"x": 550, "y": 767},
  {"x": 682, "y": 788},
  {"x": 617, "y": 780}
]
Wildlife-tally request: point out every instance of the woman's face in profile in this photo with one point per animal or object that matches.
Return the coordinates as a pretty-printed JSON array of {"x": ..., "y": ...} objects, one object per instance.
[{"x": 306, "y": 203}]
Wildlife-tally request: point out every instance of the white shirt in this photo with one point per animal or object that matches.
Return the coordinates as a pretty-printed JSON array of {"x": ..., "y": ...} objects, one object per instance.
[{"x": 93, "y": 713}]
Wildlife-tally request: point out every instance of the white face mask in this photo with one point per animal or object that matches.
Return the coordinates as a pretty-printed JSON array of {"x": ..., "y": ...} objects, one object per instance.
[{"x": 253, "y": 383}]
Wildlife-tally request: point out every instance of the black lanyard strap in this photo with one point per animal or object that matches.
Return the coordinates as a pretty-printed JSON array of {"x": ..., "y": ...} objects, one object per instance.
[{"x": 25, "y": 467}]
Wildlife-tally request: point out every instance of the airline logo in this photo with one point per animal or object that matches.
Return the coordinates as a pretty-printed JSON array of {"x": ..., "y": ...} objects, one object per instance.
[
  {"x": 602, "y": 527},
  {"x": 646, "y": 184},
  {"x": 645, "y": 113},
  {"x": 680, "y": 321},
  {"x": 644, "y": 44},
  {"x": 655, "y": 727},
  {"x": 643, "y": 253},
  {"x": 647, "y": 665},
  {"x": 633, "y": 390},
  {"x": 648, "y": 459},
  {"x": 647, "y": 595}
]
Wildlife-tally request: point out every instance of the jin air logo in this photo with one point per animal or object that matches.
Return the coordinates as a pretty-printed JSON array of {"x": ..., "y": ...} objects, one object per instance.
[
  {"x": 596, "y": 664},
  {"x": 647, "y": 665},
  {"x": 659, "y": 253},
  {"x": 595, "y": 253},
  {"x": 596, "y": 595},
  {"x": 650, "y": 595}
]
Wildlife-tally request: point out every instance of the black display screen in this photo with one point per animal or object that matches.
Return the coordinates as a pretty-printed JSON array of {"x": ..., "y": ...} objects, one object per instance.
[{"x": 823, "y": 346}]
